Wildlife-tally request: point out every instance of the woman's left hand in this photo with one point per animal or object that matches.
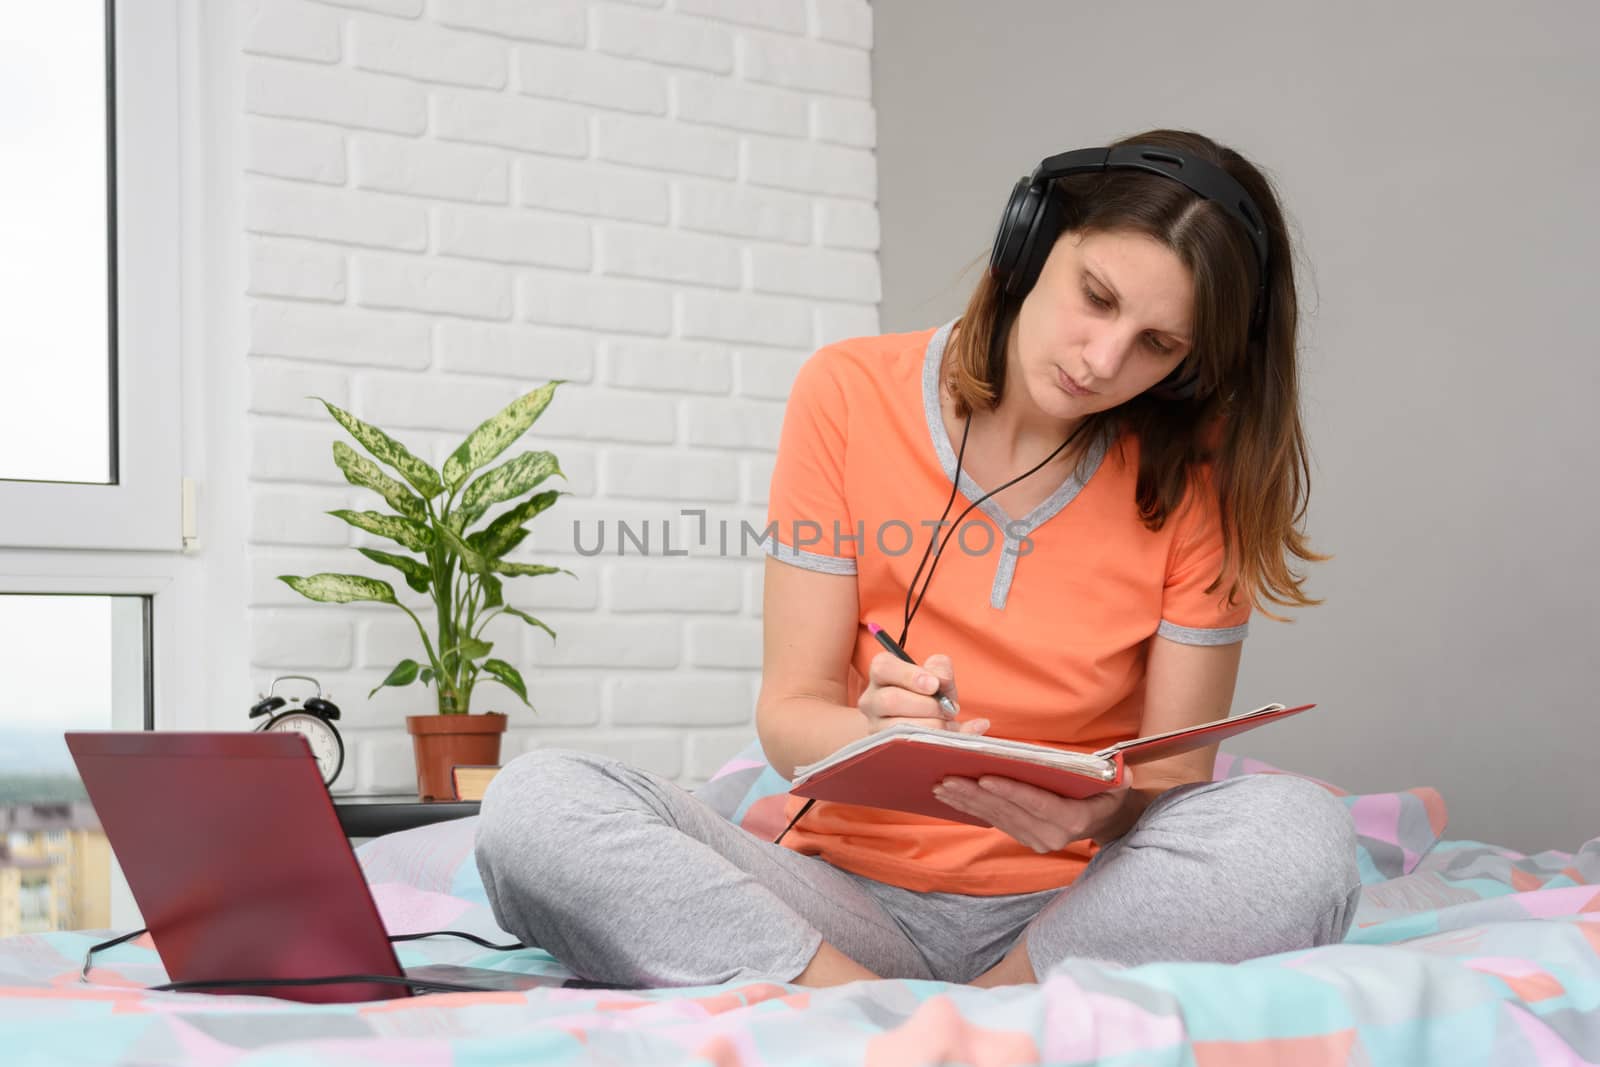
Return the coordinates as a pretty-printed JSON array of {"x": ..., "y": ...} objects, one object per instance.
[{"x": 1042, "y": 820}]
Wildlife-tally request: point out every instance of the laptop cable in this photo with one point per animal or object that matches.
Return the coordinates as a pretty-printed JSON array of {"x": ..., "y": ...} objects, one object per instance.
[
  {"x": 457, "y": 933},
  {"x": 423, "y": 984},
  {"x": 381, "y": 979}
]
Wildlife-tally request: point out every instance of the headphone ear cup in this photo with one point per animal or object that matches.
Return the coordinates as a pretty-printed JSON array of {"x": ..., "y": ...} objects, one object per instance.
[
  {"x": 1043, "y": 229},
  {"x": 1176, "y": 386},
  {"x": 1016, "y": 222}
]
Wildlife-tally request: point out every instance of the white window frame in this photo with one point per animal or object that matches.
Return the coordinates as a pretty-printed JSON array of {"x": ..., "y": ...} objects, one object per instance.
[
  {"x": 133, "y": 530},
  {"x": 144, "y": 510},
  {"x": 30, "y": 573},
  {"x": 127, "y": 677}
]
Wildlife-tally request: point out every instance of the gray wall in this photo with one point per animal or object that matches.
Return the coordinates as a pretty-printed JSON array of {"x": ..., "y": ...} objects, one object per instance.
[{"x": 1438, "y": 162}]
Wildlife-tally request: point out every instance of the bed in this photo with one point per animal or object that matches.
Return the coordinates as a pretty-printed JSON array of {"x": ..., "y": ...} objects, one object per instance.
[{"x": 1462, "y": 953}]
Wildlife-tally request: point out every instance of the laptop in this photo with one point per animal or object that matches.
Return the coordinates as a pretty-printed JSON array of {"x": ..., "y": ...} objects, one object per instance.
[{"x": 235, "y": 856}]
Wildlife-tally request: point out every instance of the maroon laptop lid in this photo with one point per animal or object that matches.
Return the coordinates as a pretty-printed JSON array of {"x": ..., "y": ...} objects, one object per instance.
[{"x": 235, "y": 856}]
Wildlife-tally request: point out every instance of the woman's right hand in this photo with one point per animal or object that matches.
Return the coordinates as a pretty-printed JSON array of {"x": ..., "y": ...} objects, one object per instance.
[{"x": 900, "y": 692}]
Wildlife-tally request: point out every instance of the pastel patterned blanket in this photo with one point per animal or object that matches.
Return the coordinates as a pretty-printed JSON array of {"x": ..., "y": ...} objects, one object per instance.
[{"x": 1462, "y": 953}]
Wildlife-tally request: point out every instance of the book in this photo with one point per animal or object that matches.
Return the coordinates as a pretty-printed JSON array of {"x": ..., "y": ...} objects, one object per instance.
[
  {"x": 471, "y": 779},
  {"x": 897, "y": 768}
]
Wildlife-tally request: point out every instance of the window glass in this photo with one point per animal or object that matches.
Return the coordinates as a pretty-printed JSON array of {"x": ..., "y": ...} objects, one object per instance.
[
  {"x": 70, "y": 663},
  {"x": 56, "y": 293}
]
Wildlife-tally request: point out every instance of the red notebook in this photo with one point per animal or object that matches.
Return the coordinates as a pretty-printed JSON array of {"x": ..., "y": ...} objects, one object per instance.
[{"x": 897, "y": 768}]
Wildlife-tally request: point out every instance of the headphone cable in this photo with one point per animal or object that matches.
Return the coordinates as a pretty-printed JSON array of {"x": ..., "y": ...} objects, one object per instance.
[
  {"x": 969, "y": 507},
  {"x": 911, "y": 608},
  {"x": 955, "y": 483}
]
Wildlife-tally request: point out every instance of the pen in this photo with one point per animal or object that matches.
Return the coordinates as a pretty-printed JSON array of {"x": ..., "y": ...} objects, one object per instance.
[{"x": 888, "y": 642}]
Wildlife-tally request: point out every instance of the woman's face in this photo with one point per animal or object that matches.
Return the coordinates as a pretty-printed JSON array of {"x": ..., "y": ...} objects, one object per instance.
[{"x": 1111, "y": 312}]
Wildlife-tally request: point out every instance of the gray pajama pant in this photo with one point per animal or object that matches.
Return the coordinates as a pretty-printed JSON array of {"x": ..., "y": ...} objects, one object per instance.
[{"x": 627, "y": 878}]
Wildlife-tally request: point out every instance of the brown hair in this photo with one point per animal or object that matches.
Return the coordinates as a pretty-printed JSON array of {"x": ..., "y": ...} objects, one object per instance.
[{"x": 1243, "y": 424}]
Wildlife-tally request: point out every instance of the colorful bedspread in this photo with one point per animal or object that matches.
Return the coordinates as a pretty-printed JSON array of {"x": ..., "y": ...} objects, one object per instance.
[{"x": 1462, "y": 953}]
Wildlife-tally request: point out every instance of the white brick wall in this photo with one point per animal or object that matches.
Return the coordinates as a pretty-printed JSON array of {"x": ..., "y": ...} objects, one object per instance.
[{"x": 669, "y": 204}]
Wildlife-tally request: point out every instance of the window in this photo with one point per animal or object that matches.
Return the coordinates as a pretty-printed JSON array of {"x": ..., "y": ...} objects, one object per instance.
[
  {"x": 89, "y": 445},
  {"x": 92, "y": 582},
  {"x": 33, "y": 910},
  {"x": 57, "y": 412},
  {"x": 71, "y": 663}
]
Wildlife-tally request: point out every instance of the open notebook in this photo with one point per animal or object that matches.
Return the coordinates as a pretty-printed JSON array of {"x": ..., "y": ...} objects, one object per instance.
[{"x": 897, "y": 768}]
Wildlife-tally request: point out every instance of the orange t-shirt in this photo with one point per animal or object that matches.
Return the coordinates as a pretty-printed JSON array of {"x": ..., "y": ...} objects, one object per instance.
[{"x": 1047, "y": 617}]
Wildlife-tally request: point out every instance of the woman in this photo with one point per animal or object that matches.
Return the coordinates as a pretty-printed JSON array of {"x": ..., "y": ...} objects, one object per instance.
[{"x": 1145, "y": 333}]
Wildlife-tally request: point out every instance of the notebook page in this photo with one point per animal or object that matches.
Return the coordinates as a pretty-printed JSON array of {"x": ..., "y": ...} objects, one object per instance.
[{"x": 1049, "y": 757}]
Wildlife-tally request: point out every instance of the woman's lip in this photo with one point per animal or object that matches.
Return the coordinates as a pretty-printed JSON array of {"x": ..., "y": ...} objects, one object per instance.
[{"x": 1071, "y": 386}]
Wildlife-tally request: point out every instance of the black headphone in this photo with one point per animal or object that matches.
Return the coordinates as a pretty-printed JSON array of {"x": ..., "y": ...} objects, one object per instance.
[{"x": 1032, "y": 219}]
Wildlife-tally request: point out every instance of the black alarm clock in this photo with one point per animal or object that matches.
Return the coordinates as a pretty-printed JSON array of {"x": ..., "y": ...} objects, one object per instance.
[{"x": 312, "y": 718}]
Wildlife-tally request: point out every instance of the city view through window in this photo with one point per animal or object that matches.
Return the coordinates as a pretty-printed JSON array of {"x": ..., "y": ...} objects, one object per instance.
[{"x": 64, "y": 661}]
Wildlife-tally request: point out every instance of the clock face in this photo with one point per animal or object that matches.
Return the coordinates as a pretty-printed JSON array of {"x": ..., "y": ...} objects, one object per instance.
[{"x": 325, "y": 744}]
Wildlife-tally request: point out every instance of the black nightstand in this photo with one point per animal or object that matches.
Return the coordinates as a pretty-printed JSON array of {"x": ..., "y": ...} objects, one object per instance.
[{"x": 373, "y": 816}]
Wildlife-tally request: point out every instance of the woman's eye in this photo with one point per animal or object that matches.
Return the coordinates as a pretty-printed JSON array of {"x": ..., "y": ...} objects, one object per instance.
[{"x": 1088, "y": 294}]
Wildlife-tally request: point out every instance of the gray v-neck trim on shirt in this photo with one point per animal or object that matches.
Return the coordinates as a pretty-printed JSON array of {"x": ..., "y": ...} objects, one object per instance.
[{"x": 1011, "y": 530}]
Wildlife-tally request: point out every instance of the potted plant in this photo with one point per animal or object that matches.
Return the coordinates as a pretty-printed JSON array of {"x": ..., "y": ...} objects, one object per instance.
[{"x": 459, "y": 569}]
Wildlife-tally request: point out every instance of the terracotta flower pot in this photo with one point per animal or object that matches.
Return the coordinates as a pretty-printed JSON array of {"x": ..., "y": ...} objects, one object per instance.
[{"x": 443, "y": 741}]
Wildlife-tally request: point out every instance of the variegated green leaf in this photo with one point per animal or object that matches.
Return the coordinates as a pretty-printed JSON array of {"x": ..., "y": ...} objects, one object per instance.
[
  {"x": 359, "y": 470},
  {"x": 387, "y": 450},
  {"x": 472, "y": 648},
  {"x": 502, "y": 535},
  {"x": 416, "y": 536},
  {"x": 505, "y": 482},
  {"x": 508, "y": 676},
  {"x": 404, "y": 673},
  {"x": 481, "y": 543},
  {"x": 418, "y": 576},
  {"x": 526, "y": 510},
  {"x": 526, "y": 569},
  {"x": 340, "y": 588},
  {"x": 496, "y": 433},
  {"x": 530, "y": 620},
  {"x": 472, "y": 561},
  {"x": 493, "y": 590}
]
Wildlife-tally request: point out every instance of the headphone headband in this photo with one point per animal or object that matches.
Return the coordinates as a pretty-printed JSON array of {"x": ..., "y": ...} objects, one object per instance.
[
  {"x": 1211, "y": 182},
  {"x": 1033, "y": 218}
]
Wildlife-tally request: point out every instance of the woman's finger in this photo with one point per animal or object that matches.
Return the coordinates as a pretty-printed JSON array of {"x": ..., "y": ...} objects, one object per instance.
[
  {"x": 941, "y": 667},
  {"x": 890, "y": 671},
  {"x": 890, "y": 706}
]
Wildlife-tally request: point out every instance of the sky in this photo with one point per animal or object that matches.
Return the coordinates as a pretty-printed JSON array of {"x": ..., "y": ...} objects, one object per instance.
[
  {"x": 55, "y": 675},
  {"x": 54, "y": 355}
]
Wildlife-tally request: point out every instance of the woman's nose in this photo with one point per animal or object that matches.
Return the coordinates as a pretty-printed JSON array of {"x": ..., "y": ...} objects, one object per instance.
[{"x": 1105, "y": 354}]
